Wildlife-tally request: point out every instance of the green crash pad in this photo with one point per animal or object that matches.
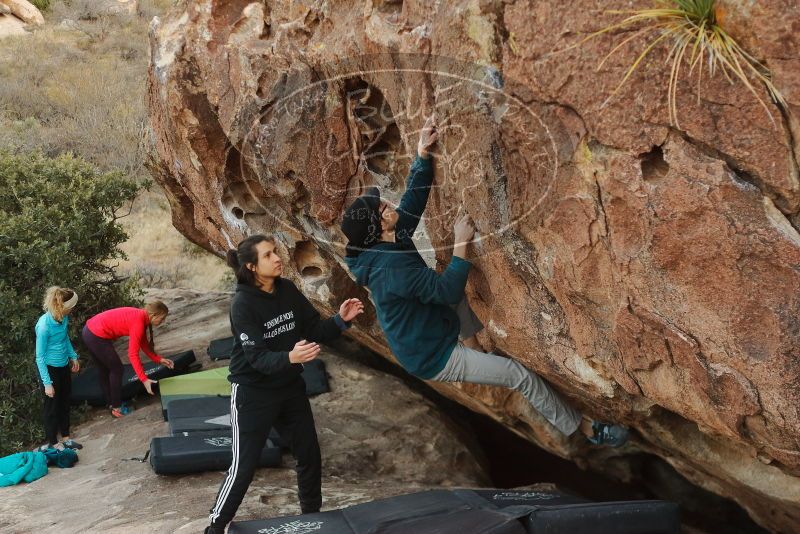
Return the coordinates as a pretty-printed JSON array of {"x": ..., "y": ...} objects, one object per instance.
[{"x": 201, "y": 384}]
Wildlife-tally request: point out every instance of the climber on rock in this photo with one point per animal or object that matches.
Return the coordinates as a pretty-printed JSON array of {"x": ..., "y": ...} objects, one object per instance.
[{"x": 425, "y": 316}]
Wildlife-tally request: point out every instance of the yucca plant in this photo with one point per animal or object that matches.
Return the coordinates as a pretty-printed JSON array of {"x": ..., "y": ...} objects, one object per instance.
[{"x": 696, "y": 34}]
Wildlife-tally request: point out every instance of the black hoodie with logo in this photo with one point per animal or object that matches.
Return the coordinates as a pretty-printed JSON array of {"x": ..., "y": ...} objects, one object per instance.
[{"x": 266, "y": 327}]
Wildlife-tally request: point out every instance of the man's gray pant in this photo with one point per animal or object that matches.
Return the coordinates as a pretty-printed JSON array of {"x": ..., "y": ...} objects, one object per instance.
[{"x": 475, "y": 367}]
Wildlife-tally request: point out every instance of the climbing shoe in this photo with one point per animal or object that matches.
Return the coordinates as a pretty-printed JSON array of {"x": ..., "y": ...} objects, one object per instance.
[
  {"x": 608, "y": 434},
  {"x": 211, "y": 529},
  {"x": 122, "y": 411},
  {"x": 72, "y": 444}
]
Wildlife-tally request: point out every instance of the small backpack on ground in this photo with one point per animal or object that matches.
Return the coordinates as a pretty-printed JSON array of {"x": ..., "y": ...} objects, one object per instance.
[{"x": 61, "y": 458}]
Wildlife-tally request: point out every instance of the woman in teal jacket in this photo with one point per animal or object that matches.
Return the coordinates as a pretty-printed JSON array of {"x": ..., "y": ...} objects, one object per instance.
[{"x": 55, "y": 358}]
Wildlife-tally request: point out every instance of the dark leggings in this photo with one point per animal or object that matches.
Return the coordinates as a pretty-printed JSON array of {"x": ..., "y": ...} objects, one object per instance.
[
  {"x": 56, "y": 408},
  {"x": 109, "y": 366}
]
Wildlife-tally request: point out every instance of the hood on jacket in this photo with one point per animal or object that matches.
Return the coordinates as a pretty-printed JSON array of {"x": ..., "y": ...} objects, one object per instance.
[{"x": 379, "y": 256}]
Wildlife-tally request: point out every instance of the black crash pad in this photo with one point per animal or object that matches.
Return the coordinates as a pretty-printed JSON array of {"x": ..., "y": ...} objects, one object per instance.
[
  {"x": 220, "y": 349},
  {"x": 622, "y": 517},
  {"x": 215, "y": 418},
  {"x": 194, "y": 454},
  {"x": 334, "y": 522},
  {"x": 86, "y": 385},
  {"x": 491, "y": 511},
  {"x": 199, "y": 407},
  {"x": 369, "y": 515}
]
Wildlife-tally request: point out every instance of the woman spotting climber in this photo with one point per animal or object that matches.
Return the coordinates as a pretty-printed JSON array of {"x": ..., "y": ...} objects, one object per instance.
[
  {"x": 424, "y": 313},
  {"x": 275, "y": 329}
]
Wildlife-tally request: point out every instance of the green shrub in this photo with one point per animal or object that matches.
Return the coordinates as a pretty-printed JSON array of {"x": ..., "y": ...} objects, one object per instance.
[
  {"x": 41, "y": 4},
  {"x": 58, "y": 226}
]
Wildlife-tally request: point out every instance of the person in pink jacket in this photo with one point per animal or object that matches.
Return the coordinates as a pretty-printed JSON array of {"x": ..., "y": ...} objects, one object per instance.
[{"x": 99, "y": 334}]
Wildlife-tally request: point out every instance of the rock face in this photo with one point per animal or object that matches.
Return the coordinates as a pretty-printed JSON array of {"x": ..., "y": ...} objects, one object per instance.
[
  {"x": 650, "y": 272},
  {"x": 25, "y": 11},
  {"x": 16, "y": 15},
  {"x": 369, "y": 428},
  {"x": 11, "y": 25}
]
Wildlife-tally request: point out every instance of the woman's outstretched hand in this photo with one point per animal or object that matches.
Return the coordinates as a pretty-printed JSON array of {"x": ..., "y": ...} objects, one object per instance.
[{"x": 350, "y": 309}]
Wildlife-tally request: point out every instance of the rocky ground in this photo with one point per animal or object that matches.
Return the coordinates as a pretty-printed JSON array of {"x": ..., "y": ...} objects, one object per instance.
[{"x": 378, "y": 439}]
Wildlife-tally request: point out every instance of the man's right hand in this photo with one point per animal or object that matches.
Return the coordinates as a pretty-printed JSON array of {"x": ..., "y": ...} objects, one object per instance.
[
  {"x": 464, "y": 229},
  {"x": 49, "y": 390},
  {"x": 303, "y": 352}
]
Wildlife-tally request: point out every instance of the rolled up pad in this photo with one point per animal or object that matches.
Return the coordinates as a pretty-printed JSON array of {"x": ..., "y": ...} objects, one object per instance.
[{"x": 178, "y": 454}]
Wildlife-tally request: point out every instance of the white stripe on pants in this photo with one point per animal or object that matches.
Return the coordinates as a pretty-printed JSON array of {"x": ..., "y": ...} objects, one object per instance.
[
  {"x": 228, "y": 484},
  {"x": 475, "y": 367}
]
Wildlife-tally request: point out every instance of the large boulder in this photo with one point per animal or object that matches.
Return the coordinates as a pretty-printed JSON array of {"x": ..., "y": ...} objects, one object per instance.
[
  {"x": 649, "y": 271},
  {"x": 10, "y": 25},
  {"x": 25, "y": 11}
]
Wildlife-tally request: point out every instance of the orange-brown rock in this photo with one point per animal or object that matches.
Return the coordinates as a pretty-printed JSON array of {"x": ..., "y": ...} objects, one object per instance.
[{"x": 650, "y": 271}]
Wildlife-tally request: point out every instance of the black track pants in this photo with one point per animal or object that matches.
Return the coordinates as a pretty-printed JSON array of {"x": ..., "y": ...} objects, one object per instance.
[{"x": 253, "y": 413}]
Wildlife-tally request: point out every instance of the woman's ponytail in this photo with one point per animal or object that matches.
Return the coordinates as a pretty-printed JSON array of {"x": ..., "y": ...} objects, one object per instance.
[
  {"x": 232, "y": 259},
  {"x": 58, "y": 300},
  {"x": 154, "y": 308}
]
